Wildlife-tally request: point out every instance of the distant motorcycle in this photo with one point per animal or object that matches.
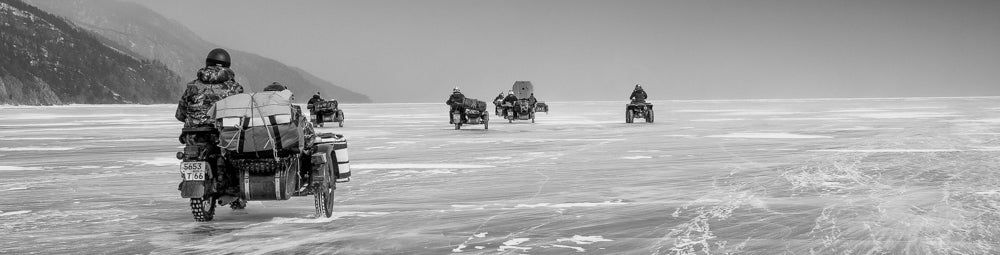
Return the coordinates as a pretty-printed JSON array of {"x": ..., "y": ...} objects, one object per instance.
[
  {"x": 326, "y": 111},
  {"x": 520, "y": 110},
  {"x": 475, "y": 113}
]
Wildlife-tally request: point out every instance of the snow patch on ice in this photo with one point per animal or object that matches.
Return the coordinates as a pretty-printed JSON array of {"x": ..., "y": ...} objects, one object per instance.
[
  {"x": 335, "y": 216},
  {"x": 641, "y": 151},
  {"x": 493, "y": 158},
  {"x": 512, "y": 244},
  {"x": 416, "y": 166},
  {"x": 758, "y": 113},
  {"x": 578, "y": 249},
  {"x": 989, "y": 192},
  {"x": 468, "y": 207},
  {"x": 636, "y": 157},
  {"x": 976, "y": 120},
  {"x": 427, "y": 172},
  {"x": 133, "y": 140},
  {"x": 481, "y": 235},
  {"x": 402, "y": 142},
  {"x": 886, "y": 150},
  {"x": 38, "y": 148},
  {"x": 84, "y": 167},
  {"x": 40, "y": 138},
  {"x": 3, "y": 214},
  {"x": 686, "y": 136},
  {"x": 578, "y": 239},
  {"x": 16, "y": 188},
  {"x": 161, "y": 161},
  {"x": 18, "y": 168},
  {"x": 906, "y": 115},
  {"x": 769, "y": 136},
  {"x": 459, "y": 248},
  {"x": 717, "y": 120},
  {"x": 809, "y": 119},
  {"x": 708, "y": 111},
  {"x": 858, "y": 110},
  {"x": 567, "y": 205}
]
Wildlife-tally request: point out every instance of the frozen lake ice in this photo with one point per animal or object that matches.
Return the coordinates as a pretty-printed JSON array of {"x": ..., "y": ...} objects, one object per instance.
[{"x": 860, "y": 176}]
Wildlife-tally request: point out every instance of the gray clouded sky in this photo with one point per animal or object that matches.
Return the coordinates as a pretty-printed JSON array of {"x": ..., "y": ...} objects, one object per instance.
[{"x": 415, "y": 51}]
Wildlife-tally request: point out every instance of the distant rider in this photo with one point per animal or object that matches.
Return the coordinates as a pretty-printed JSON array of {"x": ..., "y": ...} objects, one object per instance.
[
  {"x": 315, "y": 98},
  {"x": 510, "y": 99},
  {"x": 455, "y": 101},
  {"x": 497, "y": 102},
  {"x": 311, "y": 104},
  {"x": 638, "y": 95},
  {"x": 215, "y": 81}
]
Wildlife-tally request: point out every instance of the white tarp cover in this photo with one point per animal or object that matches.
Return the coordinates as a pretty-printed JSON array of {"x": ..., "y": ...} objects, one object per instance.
[{"x": 256, "y": 105}]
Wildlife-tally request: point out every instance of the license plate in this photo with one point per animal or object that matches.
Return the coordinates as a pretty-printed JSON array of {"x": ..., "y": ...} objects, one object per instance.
[{"x": 194, "y": 171}]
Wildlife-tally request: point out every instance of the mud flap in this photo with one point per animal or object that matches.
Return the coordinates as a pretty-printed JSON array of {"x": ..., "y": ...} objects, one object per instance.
[
  {"x": 192, "y": 189},
  {"x": 320, "y": 161}
]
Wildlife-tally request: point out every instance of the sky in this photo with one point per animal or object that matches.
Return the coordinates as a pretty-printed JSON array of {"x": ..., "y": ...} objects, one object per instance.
[{"x": 417, "y": 51}]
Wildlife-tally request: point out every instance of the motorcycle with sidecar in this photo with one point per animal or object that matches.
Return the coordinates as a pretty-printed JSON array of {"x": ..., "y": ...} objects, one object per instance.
[{"x": 260, "y": 148}]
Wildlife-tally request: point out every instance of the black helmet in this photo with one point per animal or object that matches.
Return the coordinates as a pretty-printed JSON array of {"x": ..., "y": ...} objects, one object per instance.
[{"x": 218, "y": 56}]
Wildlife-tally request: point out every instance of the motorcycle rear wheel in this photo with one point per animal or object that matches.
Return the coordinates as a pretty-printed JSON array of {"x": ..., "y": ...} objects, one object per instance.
[{"x": 203, "y": 209}]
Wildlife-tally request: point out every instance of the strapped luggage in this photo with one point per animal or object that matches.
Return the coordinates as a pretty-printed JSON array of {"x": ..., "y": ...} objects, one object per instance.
[
  {"x": 261, "y": 121},
  {"x": 474, "y": 104}
]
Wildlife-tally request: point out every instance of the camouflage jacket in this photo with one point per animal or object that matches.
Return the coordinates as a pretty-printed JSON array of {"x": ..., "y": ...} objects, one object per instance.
[{"x": 213, "y": 84}]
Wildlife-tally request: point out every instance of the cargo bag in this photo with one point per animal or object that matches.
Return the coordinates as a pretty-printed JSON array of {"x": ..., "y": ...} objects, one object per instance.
[
  {"x": 474, "y": 104},
  {"x": 261, "y": 121}
]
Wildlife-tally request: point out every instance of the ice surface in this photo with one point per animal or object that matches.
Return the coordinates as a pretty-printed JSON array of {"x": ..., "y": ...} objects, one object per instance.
[
  {"x": 858, "y": 176},
  {"x": 33, "y": 148},
  {"x": 578, "y": 239},
  {"x": 769, "y": 136},
  {"x": 18, "y": 168},
  {"x": 417, "y": 166},
  {"x": 578, "y": 249}
]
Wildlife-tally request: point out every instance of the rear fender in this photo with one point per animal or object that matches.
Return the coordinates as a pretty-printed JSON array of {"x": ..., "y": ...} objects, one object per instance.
[
  {"x": 320, "y": 161},
  {"x": 192, "y": 189}
]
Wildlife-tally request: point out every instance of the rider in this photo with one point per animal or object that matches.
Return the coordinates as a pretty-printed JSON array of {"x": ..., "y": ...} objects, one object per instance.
[
  {"x": 510, "y": 99},
  {"x": 455, "y": 101},
  {"x": 638, "y": 95},
  {"x": 215, "y": 81},
  {"x": 532, "y": 100},
  {"x": 497, "y": 101},
  {"x": 315, "y": 98},
  {"x": 312, "y": 101}
]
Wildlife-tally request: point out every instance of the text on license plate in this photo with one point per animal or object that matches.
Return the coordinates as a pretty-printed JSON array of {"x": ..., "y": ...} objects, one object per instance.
[{"x": 194, "y": 171}]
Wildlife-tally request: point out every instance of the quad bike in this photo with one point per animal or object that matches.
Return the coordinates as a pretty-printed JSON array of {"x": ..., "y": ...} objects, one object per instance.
[{"x": 639, "y": 110}]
